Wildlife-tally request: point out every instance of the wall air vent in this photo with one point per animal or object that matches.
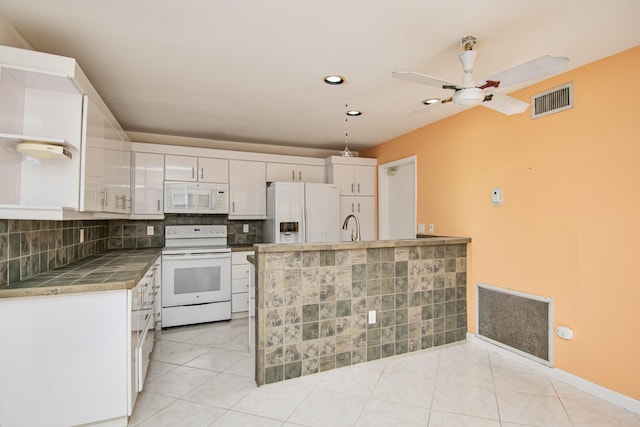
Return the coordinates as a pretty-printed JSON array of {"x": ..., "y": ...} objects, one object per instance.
[{"x": 552, "y": 101}]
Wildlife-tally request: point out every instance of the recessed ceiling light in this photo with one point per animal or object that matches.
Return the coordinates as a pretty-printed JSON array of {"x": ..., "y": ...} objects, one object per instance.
[
  {"x": 431, "y": 101},
  {"x": 334, "y": 79},
  {"x": 354, "y": 113}
]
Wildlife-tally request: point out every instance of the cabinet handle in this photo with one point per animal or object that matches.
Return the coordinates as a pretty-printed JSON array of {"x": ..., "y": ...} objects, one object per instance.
[
  {"x": 105, "y": 201},
  {"x": 358, "y": 207},
  {"x": 352, "y": 188},
  {"x": 158, "y": 205},
  {"x": 358, "y": 188},
  {"x": 299, "y": 175},
  {"x": 201, "y": 173},
  {"x": 233, "y": 206},
  {"x": 352, "y": 208},
  {"x": 193, "y": 173},
  {"x": 293, "y": 175}
]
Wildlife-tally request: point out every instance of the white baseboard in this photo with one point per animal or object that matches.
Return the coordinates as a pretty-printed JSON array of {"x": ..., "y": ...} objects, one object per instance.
[{"x": 596, "y": 390}]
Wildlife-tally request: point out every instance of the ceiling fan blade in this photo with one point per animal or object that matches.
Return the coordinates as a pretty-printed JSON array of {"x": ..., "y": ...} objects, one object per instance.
[
  {"x": 424, "y": 79},
  {"x": 536, "y": 68},
  {"x": 505, "y": 104}
]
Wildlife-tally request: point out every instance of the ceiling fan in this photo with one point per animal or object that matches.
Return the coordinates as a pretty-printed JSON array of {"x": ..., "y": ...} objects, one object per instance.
[{"x": 470, "y": 93}]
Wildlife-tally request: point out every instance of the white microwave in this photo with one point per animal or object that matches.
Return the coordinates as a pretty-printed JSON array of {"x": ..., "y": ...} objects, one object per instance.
[{"x": 196, "y": 197}]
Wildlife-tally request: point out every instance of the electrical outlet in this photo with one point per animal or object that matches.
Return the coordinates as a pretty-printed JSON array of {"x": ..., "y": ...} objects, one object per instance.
[
  {"x": 245, "y": 228},
  {"x": 431, "y": 228},
  {"x": 82, "y": 235},
  {"x": 149, "y": 230},
  {"x": 372, "y": 317}
]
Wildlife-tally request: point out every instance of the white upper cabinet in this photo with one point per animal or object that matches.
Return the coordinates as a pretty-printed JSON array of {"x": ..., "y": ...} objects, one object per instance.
[
  {"x": 148, "y": 183},
  {"x": 39, "y": 102},
  {"x": 247, "y": 190},
  {"x": 354, "y": 180},
  {"x": 47, "y": 99},
  {"x": 286, "y": 172},
  {"x": 203, "y": 169}
]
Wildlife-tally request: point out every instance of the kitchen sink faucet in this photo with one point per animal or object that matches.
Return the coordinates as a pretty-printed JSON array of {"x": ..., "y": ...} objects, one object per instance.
[{"x": 355, "y": 238}]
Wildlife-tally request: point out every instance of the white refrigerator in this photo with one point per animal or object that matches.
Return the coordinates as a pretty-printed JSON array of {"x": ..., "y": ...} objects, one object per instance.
[{"x": 299, "y": 212}]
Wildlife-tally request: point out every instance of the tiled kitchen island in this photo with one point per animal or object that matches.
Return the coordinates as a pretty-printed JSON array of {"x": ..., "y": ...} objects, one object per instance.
[{"x": 316, "y": 303}]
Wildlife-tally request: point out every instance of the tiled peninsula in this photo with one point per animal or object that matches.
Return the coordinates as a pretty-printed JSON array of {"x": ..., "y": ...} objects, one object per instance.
[{"x": 313, "y": 302}]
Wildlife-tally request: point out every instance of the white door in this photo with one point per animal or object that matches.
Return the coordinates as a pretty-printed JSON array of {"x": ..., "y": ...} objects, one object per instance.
[{"x": 397, "y": 199}]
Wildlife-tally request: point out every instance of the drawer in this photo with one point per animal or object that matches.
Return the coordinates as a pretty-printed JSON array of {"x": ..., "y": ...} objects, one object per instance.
[
  {"x": 240, "y": 302},
  {"x": 240, "y": 271},
  {"x": 240, "y": 257},
  {"x": 239, "y": 285}
]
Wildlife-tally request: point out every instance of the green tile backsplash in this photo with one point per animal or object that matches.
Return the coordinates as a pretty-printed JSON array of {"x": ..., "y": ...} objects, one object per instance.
[{"x": 30, "y": 247}]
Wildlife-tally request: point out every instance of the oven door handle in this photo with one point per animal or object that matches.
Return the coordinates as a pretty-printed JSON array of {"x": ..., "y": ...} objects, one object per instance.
[{"x": 196, "y": 256}]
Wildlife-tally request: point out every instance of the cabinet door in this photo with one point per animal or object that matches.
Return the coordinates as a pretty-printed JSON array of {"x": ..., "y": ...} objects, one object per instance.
[
  {"x": 213, "y": 170},
  {"x": 281, "y": 172},
  {"x": 366, "y": 211},
  {"x": 342, "y": 175},
  {"x": 148, "y": 176},
  {"x": 247, "y": 189},
  {"x": 111, "y": 202},
  {"x": 365, "y": 180},
  {"x": 124, "y": 175},
  {"x": 180, "y": 168},
  {"x": 310, "y": 173}
]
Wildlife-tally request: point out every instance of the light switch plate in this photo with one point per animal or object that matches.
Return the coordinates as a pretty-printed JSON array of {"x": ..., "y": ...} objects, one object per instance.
[
  {"x": 245, "y": 228},
  {"x": 149, "y": 230},
  {"x": 372, "y": 317},
  {"x": 420, "y": 228},
  {"x": 496, "y": 196}
]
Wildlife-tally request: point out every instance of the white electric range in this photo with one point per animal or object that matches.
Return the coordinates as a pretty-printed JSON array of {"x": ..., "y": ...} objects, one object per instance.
[{"x": 196, "y": 275}]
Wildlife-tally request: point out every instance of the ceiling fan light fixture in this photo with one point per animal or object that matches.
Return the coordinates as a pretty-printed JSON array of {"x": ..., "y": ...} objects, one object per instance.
[
  {"x": 354, "y": 113},
  {"x": 468, "y": 97},
  {"x": 334, "y": 79}
]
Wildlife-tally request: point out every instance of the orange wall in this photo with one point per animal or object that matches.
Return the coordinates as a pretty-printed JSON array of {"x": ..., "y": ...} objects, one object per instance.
[{"x": 570, "y": 225}]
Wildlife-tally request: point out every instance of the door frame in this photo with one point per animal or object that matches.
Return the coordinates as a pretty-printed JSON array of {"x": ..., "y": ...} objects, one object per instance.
[{"x": 383, "y": 193}]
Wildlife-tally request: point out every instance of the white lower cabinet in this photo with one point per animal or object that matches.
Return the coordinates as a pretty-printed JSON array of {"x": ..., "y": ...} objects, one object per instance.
[
  {"x": 363, "y": 207},
  {"x": 68, "y": 356},
  {"x": 240, "y": 281}
]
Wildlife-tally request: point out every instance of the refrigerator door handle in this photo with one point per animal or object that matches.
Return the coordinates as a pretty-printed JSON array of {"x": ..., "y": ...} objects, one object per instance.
[{"x": 306, "y": 224}]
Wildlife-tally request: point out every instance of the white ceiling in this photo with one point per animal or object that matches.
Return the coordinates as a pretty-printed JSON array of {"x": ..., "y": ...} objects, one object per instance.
[{"x": 251, "y": 70}]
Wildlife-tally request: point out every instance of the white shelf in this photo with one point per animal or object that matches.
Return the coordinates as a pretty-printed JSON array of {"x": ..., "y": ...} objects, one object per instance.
[{"x": 10, "y": 137}]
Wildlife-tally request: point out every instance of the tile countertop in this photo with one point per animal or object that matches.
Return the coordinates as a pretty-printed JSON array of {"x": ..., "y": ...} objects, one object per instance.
[
  {"x": 107, "y": 271},
  {"x": 333, "y": 246}
]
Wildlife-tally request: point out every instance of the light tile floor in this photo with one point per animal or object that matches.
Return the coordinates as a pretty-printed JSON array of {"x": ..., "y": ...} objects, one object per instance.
[{"x": 202, "y": 375}]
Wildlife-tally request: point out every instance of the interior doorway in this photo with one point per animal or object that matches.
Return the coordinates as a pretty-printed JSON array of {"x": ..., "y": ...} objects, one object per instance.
[{"x": 397, "y": 199}]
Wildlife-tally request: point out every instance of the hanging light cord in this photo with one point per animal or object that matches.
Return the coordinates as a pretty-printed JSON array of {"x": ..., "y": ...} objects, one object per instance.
[{"x": 346, "y": 152}]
